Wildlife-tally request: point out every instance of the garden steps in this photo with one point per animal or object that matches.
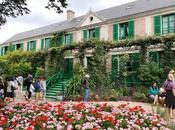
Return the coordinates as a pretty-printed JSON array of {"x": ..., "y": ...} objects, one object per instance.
[{"x": 53, "y": 90}]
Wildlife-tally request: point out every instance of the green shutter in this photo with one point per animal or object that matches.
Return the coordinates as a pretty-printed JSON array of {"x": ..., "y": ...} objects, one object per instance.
[
  {"x": 97, "y": 33},
  {"x": 34, "y": 45},
  {"x": 12, "y": 47},
  {"x": 135, "y": 59},
  {"x": 61, "y": 39},
  {"x": 28, "y": 46},
  {"x": 115, "y": 32},
  {"x": 22, "y": 46},
  {"x": 71, "y": 38},
  {"x": 115, "y": 66},
  {"x": 0, "y": 51},
  {"x": 85, "y": 34},
  {"x": 131, "y": 28},
  {"x": 155, "y": 57},
  {"x": 157, "y": 25},
  {"x": 42, "y": 43},
  {"x": 47, "y": 42}
]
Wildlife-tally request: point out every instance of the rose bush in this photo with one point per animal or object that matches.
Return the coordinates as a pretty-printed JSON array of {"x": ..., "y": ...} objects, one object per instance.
[{"x": 78, "y": 116}]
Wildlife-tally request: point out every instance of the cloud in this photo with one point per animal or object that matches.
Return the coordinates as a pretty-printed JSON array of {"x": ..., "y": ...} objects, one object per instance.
[{"x": 41, "y": 16}]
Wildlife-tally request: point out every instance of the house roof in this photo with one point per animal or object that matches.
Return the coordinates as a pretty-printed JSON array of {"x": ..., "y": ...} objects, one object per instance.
[{"x": 131, "y": 8}]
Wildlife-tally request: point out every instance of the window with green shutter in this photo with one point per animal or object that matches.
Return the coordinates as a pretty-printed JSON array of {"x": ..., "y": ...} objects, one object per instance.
[
  {"x": 31, "y": 45},
  {"x": 34, "y": 45},
  {"x": 61, "y": 39},
  {"x": 168, "y": 24},
  {"x": 91, "y": 33},
  {"x": 68, "y": 39},
  {"x": 157, "y": 25},
  {"x": 14, "y": 47},
  {"x": 115, "y": 32},
  {"x": 47, "y": 42}
]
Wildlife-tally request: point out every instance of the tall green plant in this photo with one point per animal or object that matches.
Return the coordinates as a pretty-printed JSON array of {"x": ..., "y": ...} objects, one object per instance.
[
  {"x": 100, "y": 77},
  {"x": 149, "y": 72},
  {"x": 74, "y": 89}
]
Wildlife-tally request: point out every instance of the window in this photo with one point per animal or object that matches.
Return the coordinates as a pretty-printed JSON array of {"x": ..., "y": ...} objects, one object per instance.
[
  {"x": 123, "y": 31},
  {"x": 92, "y": 33},
  {"x": 31, "y": 45},
  {"x": 6, "y": 49},
  {"x": 19, "y": 46},
  {"x": 168, "y": 24},
  {"x": 67, "y": 39},
  {"x": 47, "y": 42}
]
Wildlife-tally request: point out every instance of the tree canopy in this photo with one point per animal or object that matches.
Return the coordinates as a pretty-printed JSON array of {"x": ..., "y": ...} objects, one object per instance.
[{"x": 14, "y": 8}]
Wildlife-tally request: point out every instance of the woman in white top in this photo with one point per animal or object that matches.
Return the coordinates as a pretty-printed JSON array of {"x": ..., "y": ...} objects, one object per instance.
[{"x": 10, "y": 92}]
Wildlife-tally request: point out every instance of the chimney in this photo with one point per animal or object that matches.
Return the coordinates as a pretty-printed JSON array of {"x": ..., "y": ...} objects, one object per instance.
[{"x": 70, "y": 15}]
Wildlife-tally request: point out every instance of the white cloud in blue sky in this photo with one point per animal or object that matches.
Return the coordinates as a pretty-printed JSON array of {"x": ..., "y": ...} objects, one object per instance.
[{"x": 40, "y": 16}]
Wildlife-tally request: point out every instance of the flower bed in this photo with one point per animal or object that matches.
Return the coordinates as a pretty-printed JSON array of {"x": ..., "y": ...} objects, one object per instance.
[{"x": 78, "y": 116}]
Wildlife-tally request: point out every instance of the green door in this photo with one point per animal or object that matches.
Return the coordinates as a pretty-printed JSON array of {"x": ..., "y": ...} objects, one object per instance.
[{"x": 68, "y": 67}]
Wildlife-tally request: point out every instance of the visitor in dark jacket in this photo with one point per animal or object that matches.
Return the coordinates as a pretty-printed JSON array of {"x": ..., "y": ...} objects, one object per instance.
[
  {"x": 29, "y": 81},
  {"x": 37, "y": 86}
]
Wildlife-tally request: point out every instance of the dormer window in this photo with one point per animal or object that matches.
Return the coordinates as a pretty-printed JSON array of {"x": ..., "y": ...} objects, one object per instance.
[{"x": 91, "y": 19}]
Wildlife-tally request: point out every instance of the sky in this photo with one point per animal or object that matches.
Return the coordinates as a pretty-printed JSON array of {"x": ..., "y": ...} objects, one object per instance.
[{"x": 40, "y": 16}]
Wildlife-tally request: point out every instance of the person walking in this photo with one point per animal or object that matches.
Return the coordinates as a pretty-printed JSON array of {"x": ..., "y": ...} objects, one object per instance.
[
  {"x": 1, "y": 89},
  {"x": 169, "y": 86},
  {"x": 86, "y": 88},
  {"x": 44, "y": 86},
  {"x": 20, "y": 80},
  {"x": 37, "y": 86},
  {"x": 10, "y": 92},
  {"x": 29, "y": 81}
]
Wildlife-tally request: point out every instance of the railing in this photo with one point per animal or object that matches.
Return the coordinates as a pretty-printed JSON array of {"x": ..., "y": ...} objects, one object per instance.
[{"x": 54, "y": 79}]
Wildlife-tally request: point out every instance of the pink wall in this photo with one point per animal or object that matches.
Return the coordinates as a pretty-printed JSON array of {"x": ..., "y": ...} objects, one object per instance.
[
  {"x": 140, "y": 26},
  {"x": 152, "y": 25},
  {"x": 110, "y": 32},
  {"x": 75, "y": 36}
]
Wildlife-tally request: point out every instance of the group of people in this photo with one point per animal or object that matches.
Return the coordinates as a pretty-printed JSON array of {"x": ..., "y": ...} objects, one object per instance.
[
  {"x": 166, "y": 94},
  {"x": 9, "y": 87},
  {"x": 13, "y": 85},
  {"x": 37, "y": 88}
]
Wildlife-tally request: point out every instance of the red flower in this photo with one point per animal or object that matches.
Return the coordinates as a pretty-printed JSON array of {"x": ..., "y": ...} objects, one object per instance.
[
  {"x": 70, "y": 120},
  {"x": 29, "y": 128},
  {"x": 65, "y": 116},
  {"x": 14, "y": 123},
  {"x": 95, "y": 129}
]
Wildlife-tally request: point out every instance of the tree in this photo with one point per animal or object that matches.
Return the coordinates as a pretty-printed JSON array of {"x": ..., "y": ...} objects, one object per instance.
[{"x": 14, "y": 8}]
